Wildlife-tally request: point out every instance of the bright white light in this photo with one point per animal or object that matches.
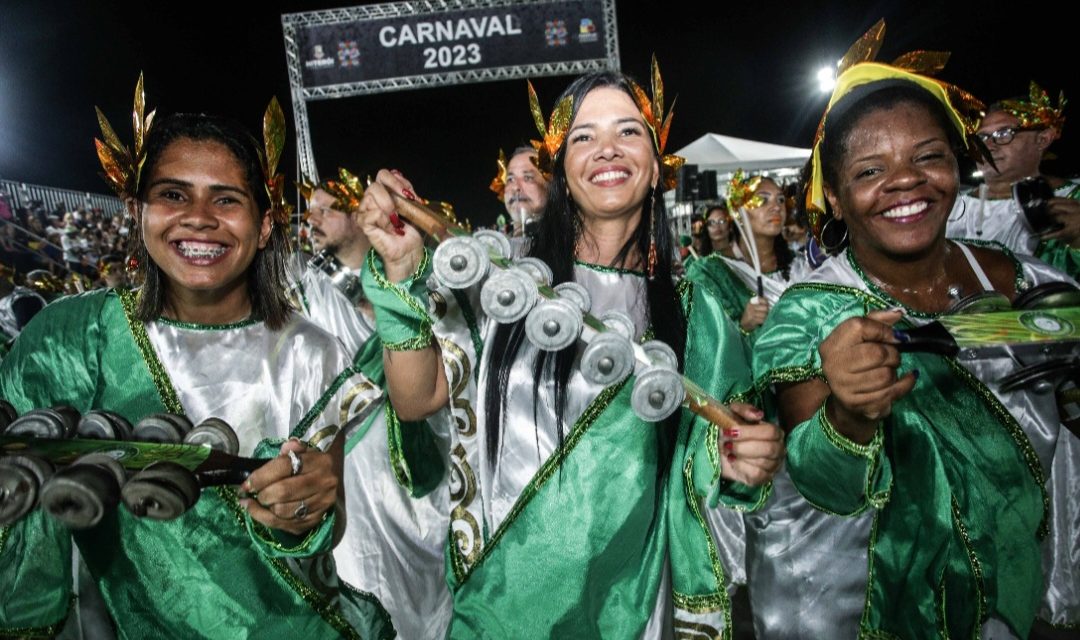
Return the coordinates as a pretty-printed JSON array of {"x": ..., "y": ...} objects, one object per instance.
[
  {"x": 826, "y": 78},
  {"x": 976, "y": 174}
]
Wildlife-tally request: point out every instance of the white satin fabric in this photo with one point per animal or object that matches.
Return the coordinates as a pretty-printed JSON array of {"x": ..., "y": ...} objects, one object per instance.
[
  {"x": 329, "y": 309},
  {"x": 394, "y": 544},
  {"x": 774, "y": 283},
  {"x": 999, "y": 220},
  {"x": 261, "y": 382}
]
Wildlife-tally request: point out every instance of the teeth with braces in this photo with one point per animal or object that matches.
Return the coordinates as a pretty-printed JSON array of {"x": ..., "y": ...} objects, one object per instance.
[{"x": 201, "y": 250}]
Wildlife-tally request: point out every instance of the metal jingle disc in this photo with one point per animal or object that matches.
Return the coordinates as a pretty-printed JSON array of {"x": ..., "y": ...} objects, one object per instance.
[
  {"x": 535, "y": 267},
  {"x": 8, "y": 414},
  {"x": 107, "y": 462},
  {"x": 508, "y": 295},
  {"x": 620, "y": 323},
  {"x": 495, "y": 241},
  {"x": 79, "y": 495},
  {"x": 157, "y": 427},
  {"x": 70, "y": 416},
  {"x": 461, "y": 262},
  {"x": 608, "y": 359},
  {"x": 40, "y": 423},
  {"x": 554, "y": 325},
  {"x": 657, "y": 393},
  {"x": 1041, "y": 377},
  {"x": 1049, "y": 295},
  {"x": 982, "y": 302},
  {"x": 182, "y": 423},
  {"x": 104, "y": 425},
  {"x": 18, "y": 492},
  {"x": 162, "y": 491},
  {"x": 216, "y": 434},
  {"x": 661, "y": 355},
  {"x": 41, "y": 468},
  {"x": 576, "y": 293}
]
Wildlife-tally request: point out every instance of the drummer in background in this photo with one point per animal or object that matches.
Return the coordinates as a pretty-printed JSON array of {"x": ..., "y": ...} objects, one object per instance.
[{"x": 334, "y": 302}]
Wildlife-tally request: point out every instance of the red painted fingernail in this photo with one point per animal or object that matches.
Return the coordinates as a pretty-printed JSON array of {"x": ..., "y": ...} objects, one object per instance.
[
  {"x": 731, "y": 457},
  {"x": 395, "y": 172},
  {"x": 409, "y": 194},
  {"x": 395, "y": 220},
  {"x": 731, "y": 433},
  {"x": 728, "y": 447}
]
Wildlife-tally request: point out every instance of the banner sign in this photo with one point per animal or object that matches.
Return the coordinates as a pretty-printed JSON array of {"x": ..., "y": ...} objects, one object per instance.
[{"x": 415, "y": 39}]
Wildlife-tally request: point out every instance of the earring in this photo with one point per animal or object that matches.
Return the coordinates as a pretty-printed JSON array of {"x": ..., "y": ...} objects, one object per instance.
[
  {"x": 840, "y": 244},
  {"x": 652, "y": 237}
]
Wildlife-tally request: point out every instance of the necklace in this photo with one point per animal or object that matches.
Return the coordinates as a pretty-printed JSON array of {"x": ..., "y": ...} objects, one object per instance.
[{"x": 890, "y": 291}]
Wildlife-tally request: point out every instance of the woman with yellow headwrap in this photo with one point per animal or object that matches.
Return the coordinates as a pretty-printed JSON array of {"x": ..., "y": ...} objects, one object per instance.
[{"x": 929, "y": 492}]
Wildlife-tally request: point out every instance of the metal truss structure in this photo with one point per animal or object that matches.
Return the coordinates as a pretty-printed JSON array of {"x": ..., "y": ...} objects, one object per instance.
[{"x": 301, "y": 95}]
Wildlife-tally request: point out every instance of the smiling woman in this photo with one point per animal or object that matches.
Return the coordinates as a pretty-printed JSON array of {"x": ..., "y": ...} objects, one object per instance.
[
  {"x": 209, "y": 334},
  {"x": 573, "y": 517},
  {"x": 750, "y": 278},
  {"x": 927, "y": 488},
  {"x": 210, "y": 251}
]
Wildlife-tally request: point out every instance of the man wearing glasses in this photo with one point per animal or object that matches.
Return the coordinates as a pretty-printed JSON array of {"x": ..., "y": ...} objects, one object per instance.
[{"x": 1017, "y": 134}]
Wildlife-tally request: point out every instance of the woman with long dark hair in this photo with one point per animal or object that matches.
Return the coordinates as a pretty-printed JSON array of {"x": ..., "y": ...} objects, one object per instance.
[
  {"x": 209, "y": 334},
  {"x": 572, "y": 517},
  {"x": 747, "y": 291},
  {"x": 925, "y": 489}
]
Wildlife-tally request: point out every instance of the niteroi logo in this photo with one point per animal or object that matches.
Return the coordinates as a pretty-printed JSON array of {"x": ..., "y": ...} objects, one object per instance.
[{"x": 319, "y": 59}]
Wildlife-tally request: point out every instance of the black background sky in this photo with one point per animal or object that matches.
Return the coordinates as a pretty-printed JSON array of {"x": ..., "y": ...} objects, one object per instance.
[{"x": 740, "y": 70}]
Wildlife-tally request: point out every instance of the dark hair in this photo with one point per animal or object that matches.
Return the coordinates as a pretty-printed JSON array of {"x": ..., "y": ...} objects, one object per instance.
[
  {"x": 555, "y": 242},
  {"x": 266, "y": 281},
  {"x": 781, "y": 250},
  {"x": 722, "y": 206},
  {"x": 520, "y": 150},
  {"x": 850, "y": 109}
]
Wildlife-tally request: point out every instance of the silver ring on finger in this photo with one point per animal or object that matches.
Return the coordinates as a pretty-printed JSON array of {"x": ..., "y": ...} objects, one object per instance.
[
  {"x": 296, "y": 463},
  {"x": 301, "y": 511}
]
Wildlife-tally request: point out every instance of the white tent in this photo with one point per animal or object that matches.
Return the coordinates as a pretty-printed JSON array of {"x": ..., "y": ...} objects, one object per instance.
[{"x": 725, "y": 154}]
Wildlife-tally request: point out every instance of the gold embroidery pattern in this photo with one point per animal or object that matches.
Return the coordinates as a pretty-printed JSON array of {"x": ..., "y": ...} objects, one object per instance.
[
  {"x": 686, "y": 630},
  {"x": 460, "y": 370},
  {"x": 360, "y": 394},
  {"x": 325, "y": 433},
  {"x": 464, "y": 529}
]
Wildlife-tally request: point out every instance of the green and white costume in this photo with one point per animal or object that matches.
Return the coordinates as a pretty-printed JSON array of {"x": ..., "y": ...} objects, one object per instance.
[
  {"x": 581, "y": 540},
  {"x": 213, "y": 572},
  {"x": 937, "y": 528}
]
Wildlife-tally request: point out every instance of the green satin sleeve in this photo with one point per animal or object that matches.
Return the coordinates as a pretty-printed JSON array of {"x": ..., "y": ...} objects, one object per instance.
[
  {"x": 786, "y": 347},
  {"x": 401, "y": 317},
  {"x": 46, "y": 367},
  {"x": 1061, "y": 256},
  {"x": 711, "y": 272},
  {"x": 715, "y": 360},
  {"x": 415, "y": 455},
  {"x": 835, "y": 474}
]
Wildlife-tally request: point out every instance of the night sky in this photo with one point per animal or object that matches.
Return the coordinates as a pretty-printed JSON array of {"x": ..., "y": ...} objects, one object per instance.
[{"x": 746, "y": 72}]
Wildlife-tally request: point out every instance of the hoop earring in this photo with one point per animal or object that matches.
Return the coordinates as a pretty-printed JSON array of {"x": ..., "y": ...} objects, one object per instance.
[{"x": 840, "y": 244}]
